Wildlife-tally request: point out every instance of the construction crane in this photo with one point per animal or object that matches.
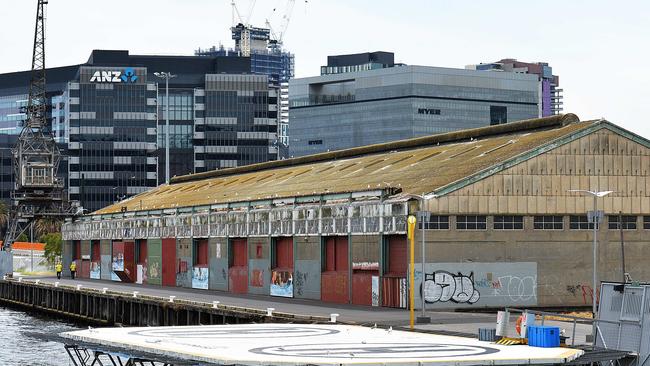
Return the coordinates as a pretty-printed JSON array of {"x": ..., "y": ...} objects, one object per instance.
[
  {"x": 37, "y": 191},
  {"x": 282, "y": 29}
]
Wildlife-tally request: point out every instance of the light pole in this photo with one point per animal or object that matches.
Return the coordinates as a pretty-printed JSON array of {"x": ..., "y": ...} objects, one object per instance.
[
  {"x": 166, "y": 76},
  {"x": 422, "y": 217},
  {"x": 595, "y": 218}
]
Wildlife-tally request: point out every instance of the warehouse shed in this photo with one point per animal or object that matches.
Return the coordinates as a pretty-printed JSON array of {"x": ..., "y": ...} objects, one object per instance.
[{"x": 504, "y": 230}]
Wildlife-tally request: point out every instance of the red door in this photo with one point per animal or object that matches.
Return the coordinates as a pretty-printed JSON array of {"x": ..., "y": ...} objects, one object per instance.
[
  {"x": 169, "y": 262},
  {"x": 335, "y": 278},
  {"x": 238, "y": 271},
  {"x": 393, "y": 282}
]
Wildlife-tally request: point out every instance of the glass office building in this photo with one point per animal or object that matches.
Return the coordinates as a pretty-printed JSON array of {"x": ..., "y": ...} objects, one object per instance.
[
  {"x": 346, "y": 109},
  {"x": 108, "y": 116}
]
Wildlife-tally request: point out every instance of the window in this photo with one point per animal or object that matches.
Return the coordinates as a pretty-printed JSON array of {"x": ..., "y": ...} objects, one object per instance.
[
  {"x": 436, "y": 223},
  {"x": 508, "y": 222},
  {"x": 580, "y": 223},
  {"x": 629, "y": 222},
  {"x": 315, "y": 142},
  {"x": 498, "y": 115},
  {"x": 548, "y": 223},
  {"x": 646, "y": 222},
  {"x": 471, "y": 222}
]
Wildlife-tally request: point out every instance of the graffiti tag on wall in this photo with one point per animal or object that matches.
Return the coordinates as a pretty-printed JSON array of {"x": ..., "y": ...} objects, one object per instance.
[
  {"x": 477, "y": 284},
  {"x": 443, "y": 286}
]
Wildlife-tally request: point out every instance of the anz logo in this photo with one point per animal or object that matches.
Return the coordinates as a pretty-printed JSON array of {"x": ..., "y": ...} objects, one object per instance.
[{"x": 128, "y": 76}]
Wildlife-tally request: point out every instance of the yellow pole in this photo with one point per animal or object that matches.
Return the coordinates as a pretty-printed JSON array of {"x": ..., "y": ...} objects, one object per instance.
[{"x": 411, "y": 237}]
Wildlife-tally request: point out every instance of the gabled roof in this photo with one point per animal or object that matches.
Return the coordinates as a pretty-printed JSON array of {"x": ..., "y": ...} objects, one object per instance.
[{"x": 437, "y": 164}]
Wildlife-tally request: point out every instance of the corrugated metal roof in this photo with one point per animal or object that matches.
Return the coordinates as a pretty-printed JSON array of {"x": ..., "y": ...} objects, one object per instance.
[{"x": 416, "y": 166}]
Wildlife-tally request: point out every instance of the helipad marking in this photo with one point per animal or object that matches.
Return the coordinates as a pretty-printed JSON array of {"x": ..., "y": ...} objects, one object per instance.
[
  {"x": 375, "y": 350},
  {"x": 227, "y": 331},
  {"x": 318, "y": 344}
]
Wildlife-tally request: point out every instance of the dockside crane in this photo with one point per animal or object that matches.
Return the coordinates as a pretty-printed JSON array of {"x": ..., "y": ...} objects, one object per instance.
[{"x": 38, "y": 191}]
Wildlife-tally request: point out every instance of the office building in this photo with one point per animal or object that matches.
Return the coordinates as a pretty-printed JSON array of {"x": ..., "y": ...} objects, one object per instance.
[
  {"x": 267, "y": 57},
  {"x": 366, "y": 99},
  {"x": 109, "y": 114},
  {"x": 550, "y": 93}
]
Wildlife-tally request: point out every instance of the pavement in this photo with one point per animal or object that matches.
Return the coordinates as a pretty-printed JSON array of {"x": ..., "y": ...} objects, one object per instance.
[{"x": 443, "y": 322}]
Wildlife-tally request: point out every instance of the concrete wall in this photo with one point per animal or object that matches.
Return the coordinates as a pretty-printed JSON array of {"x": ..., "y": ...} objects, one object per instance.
[
  {"x": 259, "y": 266},
  {"x": 307, "y": 267},
  {"x": 454, "y": 285},
  {"x": 218, "y": 262}
]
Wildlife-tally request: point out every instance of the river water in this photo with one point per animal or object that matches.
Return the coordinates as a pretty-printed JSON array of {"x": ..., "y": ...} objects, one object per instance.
[{"x": 31, "y": 339}]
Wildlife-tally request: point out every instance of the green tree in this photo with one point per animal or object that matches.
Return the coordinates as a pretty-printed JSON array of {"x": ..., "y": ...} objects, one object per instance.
[
  {"x": 4, "y": 217},
  {"x": 53, "y": 246},
  {"x": 22, "y": 237},
  {"x": 47, "y": 225}
]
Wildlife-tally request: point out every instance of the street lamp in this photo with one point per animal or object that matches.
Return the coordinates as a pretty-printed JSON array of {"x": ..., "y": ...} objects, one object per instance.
[
  {"x": 595, "y": 218},
  {"x": 422, "y": 217},
  {"x": 166, "y": 76}
]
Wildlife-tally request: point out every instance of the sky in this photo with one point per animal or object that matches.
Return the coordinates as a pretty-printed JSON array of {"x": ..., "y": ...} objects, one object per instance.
[{"x": 598, "y": 48}]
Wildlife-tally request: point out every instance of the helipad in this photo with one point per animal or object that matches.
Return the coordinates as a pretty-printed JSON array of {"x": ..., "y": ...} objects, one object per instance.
[{"x": 295, "y": 344}]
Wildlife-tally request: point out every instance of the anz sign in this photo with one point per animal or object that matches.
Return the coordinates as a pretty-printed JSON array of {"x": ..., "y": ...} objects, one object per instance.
[{"x": 128, "y": 76}]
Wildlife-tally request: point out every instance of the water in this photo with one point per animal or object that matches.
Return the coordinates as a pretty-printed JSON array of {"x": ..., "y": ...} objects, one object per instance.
[{"x": 31, "y": 339}]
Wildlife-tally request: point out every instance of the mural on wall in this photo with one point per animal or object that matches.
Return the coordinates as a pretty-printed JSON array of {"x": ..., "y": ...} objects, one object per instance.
[
  {"x": 142, "y": 275},
  {"x": 375, "y": 290},
  {"x": 257, "y": 277},
  {"x": 95, "y": 271},
  {"x": 117, "y": 263},
  {"x": 200, "y": 276},
  {"x": 154, "y": 272},
  {"x": 282, "y": 283},
  {"x": 477, "y": 284}
]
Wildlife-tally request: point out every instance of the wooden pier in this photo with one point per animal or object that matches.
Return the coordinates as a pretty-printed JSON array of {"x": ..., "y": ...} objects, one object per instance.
[{"x": 107, "y": 307}]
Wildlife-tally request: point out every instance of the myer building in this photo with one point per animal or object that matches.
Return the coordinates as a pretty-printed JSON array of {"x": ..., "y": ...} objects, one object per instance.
[
  {"x": 366, "y": 99},
  {"x": 109, "y": 116},
  {"x": 504, "y": 227}
]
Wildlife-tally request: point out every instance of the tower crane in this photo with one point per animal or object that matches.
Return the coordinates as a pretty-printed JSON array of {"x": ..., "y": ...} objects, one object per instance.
[
  {"x": 37, "y": 191},
  {"x": 284, "y": 24}
]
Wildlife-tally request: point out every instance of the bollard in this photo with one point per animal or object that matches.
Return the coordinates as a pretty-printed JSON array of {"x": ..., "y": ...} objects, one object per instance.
[
  {"x": 56, "y": 284},
  {"x": 135, "y": 293},
  {"x": 78, "y": 287},
  {"x": 4, "y": 278},
  {"x": 215, "y": 304},
  {"x": 171, "y": 298},
  {"x": 20, "y": 279},
  {"x": 37, "y": 281},
  {"x": 333, "y": 318},
  {"x": 104, "y": 289},
  {"x": 269, "y": 311}
]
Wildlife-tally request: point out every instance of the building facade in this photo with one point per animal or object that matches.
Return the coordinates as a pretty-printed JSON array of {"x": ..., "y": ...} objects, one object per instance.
[
  {"x": 267, "y": 57},
  {"x": 504, "y": 227},
  {"x": 109, "y": 115},
  {"x": 550, "y": 93},
  {"x": 348, "y": 109}
]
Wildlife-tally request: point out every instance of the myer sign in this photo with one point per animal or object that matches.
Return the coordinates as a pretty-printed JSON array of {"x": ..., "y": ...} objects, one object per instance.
[{"x": 128, "y": 76}]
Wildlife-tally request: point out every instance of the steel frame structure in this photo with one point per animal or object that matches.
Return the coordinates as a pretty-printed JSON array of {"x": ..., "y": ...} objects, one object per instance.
[
  {"x": 82, "y": 356},
  {"x": 38, "y": 192}
]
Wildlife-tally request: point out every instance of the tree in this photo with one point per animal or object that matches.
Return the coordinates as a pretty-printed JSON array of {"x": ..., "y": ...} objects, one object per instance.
[
  {"x": 4, "y": 217},
  {"x": 53, "y": 246},
  {"x": 22, "y": 237},
  {"x": 47, "y": 225}
]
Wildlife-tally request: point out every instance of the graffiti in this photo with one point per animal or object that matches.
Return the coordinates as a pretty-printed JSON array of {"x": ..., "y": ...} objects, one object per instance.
[
  {"x": 223, "y": 273},
  {"x": 299, "y": 281},
  {"x": 375, "y": 291},
  {"x": 518, "y": 288},
  {"x": 257, "y": 277},
  {"x": 443, "y": 286},
  {"x": 586, "y": 291}
]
